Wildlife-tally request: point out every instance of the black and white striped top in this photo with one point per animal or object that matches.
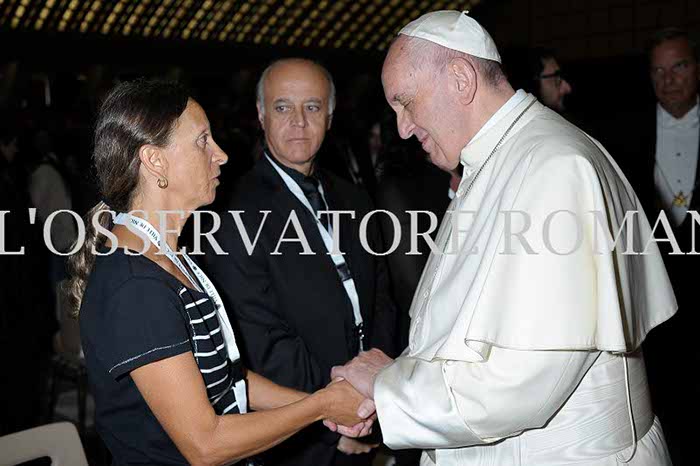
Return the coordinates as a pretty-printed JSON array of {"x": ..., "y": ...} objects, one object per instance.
[
  {"x": 134, "y": 313},
  {"x": 209, "y": 350}
]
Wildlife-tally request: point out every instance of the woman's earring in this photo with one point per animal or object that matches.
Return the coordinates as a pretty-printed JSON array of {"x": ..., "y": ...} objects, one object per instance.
[{"x": 162, "y": 183}]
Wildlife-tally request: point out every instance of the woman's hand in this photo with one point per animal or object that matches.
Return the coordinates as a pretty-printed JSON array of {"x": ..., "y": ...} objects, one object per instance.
[
  {"x": 341, "y": 404},
  {"x": 366, "y": 411}
]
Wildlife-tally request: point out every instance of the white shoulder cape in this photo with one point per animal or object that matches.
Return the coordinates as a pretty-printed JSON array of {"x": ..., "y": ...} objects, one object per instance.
[{"x": 495, "y": 291}]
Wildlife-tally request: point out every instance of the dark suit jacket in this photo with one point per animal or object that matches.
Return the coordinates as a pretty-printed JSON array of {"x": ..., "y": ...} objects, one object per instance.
[
  {"x": 634, "y": 148},
  {"x": 421, "y": 187},
  {"x": 294, "y": 318},
  {"x": 632, "y": 142}
]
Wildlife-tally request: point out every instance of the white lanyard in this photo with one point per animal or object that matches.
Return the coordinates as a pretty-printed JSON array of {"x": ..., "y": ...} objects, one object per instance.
[
  {"x": 338, "y": 259},
  {"x": 226, "y": 330}
]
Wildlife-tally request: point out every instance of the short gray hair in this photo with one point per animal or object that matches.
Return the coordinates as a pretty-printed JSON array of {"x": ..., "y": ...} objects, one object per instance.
[
  {"x": 260, "y": 88},
  {"x": 429, "y": 56}
]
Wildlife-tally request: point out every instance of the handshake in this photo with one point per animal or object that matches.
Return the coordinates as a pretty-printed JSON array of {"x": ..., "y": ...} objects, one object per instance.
[{"x": 351, "y": 394}]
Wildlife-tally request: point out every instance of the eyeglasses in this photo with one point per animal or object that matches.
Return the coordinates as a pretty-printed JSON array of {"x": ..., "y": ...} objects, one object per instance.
[{"x": 556, "y": 76}]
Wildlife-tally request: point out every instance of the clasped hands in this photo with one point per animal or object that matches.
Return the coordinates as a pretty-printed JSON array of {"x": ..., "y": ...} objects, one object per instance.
[{"x": 360, "y": 372}]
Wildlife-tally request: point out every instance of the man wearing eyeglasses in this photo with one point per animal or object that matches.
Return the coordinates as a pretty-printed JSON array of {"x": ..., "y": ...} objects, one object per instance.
[
  {"x": 552, "y": 86},
  {"x": 537, "y": 71}
]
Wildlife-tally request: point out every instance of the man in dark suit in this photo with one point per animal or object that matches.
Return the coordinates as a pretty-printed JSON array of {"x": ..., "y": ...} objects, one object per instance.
[
  {"x": 300, "y": 310},
  {"x": 660, "y": 154}
]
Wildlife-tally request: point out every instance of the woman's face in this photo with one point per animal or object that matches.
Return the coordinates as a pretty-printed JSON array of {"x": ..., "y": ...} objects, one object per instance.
[{"x": 194, "y": 159}]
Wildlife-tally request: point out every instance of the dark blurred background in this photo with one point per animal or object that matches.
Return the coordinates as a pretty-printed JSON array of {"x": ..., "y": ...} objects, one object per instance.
[{"x": 59, "y": 57}]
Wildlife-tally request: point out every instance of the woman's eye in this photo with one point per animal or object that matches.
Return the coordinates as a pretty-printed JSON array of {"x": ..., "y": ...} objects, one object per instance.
[{"x": 204, "y": 140}]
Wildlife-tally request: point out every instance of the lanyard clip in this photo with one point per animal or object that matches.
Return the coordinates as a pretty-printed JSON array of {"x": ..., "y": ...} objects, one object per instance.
[{"x": 361, "y": 335}]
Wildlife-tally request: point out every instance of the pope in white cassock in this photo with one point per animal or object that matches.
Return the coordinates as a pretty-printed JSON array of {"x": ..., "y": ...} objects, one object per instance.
[{"x": 527, "y": 323}]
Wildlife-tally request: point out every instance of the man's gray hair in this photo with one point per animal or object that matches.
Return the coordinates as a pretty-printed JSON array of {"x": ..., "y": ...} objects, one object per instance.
[
  {"x": 260, "y": 88},
  {"x": 429, "y": 56}
]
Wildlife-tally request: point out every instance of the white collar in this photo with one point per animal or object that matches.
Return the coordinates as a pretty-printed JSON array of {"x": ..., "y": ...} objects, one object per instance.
[
  {"x": 688, "y": 120},
  {"x": 470, "y": 158},
  {"x": 513, "y": 102}
]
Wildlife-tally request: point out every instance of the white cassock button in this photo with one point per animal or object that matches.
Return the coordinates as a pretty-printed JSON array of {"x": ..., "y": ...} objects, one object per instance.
[
  {"x": 426, "y": 294},
  {"x": 460, "y": 192}
]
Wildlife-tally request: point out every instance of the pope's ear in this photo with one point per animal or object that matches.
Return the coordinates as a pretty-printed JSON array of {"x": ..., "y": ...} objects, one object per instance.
[
  {"x": 463, "y": 77},
  {"x": 154, "y": 160}
]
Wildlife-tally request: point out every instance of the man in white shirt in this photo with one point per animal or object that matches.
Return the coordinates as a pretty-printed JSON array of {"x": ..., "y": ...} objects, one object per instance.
[
  {"x": 669, "y": 141},
  {"x": 525, "y": 335},
  {"x": 675, "y": 73}
]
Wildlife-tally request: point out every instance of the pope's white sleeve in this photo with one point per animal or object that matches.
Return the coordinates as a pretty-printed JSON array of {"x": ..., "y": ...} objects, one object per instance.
[{"x": 449, "y": 404}]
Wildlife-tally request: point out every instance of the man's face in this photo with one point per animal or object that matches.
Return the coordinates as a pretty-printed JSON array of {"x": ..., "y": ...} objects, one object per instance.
[
  {"x": 553, "y": 88},
  {"x": 675, "y": 74},
  {"x": 9, "y": 150},
  {"x": 423, "y": 108},
  {"x": 295, "y": 118},
  {"x": 375, "y": 139}
]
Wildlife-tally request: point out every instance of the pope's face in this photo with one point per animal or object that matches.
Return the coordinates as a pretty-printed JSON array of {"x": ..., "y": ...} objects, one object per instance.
[
  {"x": 675, "y": 74},
  {"x": 295, "y": 117},
  {"x": 423, "y": 108}
]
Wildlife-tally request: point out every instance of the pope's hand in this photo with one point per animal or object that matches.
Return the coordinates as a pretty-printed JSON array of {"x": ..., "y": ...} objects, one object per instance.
[
  {"x": 353, "y": 447},
  {"x": 362, "y": 370},
  {"x": 360, "y": 429}
]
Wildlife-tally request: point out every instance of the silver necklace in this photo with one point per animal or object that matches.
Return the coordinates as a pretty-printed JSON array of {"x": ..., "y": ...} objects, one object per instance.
[
  {"x": 496, "y": 147},
  {"x": 446, "y": 229}
]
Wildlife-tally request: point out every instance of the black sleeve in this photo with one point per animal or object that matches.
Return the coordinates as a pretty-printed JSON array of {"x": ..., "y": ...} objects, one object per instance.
[
  {"x": 270, "y": 347},
  {"x": 385, "y": 319},
  {"x": 140, "y": 324},
  {"x": 385, "y": 314},
  {"x": 404, "y": 270}
]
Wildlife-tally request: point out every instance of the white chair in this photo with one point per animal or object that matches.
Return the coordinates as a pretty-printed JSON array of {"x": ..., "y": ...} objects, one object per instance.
[{"x": 58, "y": 441}]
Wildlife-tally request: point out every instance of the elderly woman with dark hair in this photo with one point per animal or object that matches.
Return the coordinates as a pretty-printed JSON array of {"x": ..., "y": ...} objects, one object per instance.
[{"x": 160, "y": 351}]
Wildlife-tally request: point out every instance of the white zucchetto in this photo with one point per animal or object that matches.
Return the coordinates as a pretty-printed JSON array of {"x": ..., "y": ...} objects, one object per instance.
[{"x": 454, "y": 30}]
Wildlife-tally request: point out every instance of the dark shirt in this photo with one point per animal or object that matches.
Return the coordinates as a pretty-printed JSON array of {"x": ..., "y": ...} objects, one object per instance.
[{"x": 135, "y": 313}]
